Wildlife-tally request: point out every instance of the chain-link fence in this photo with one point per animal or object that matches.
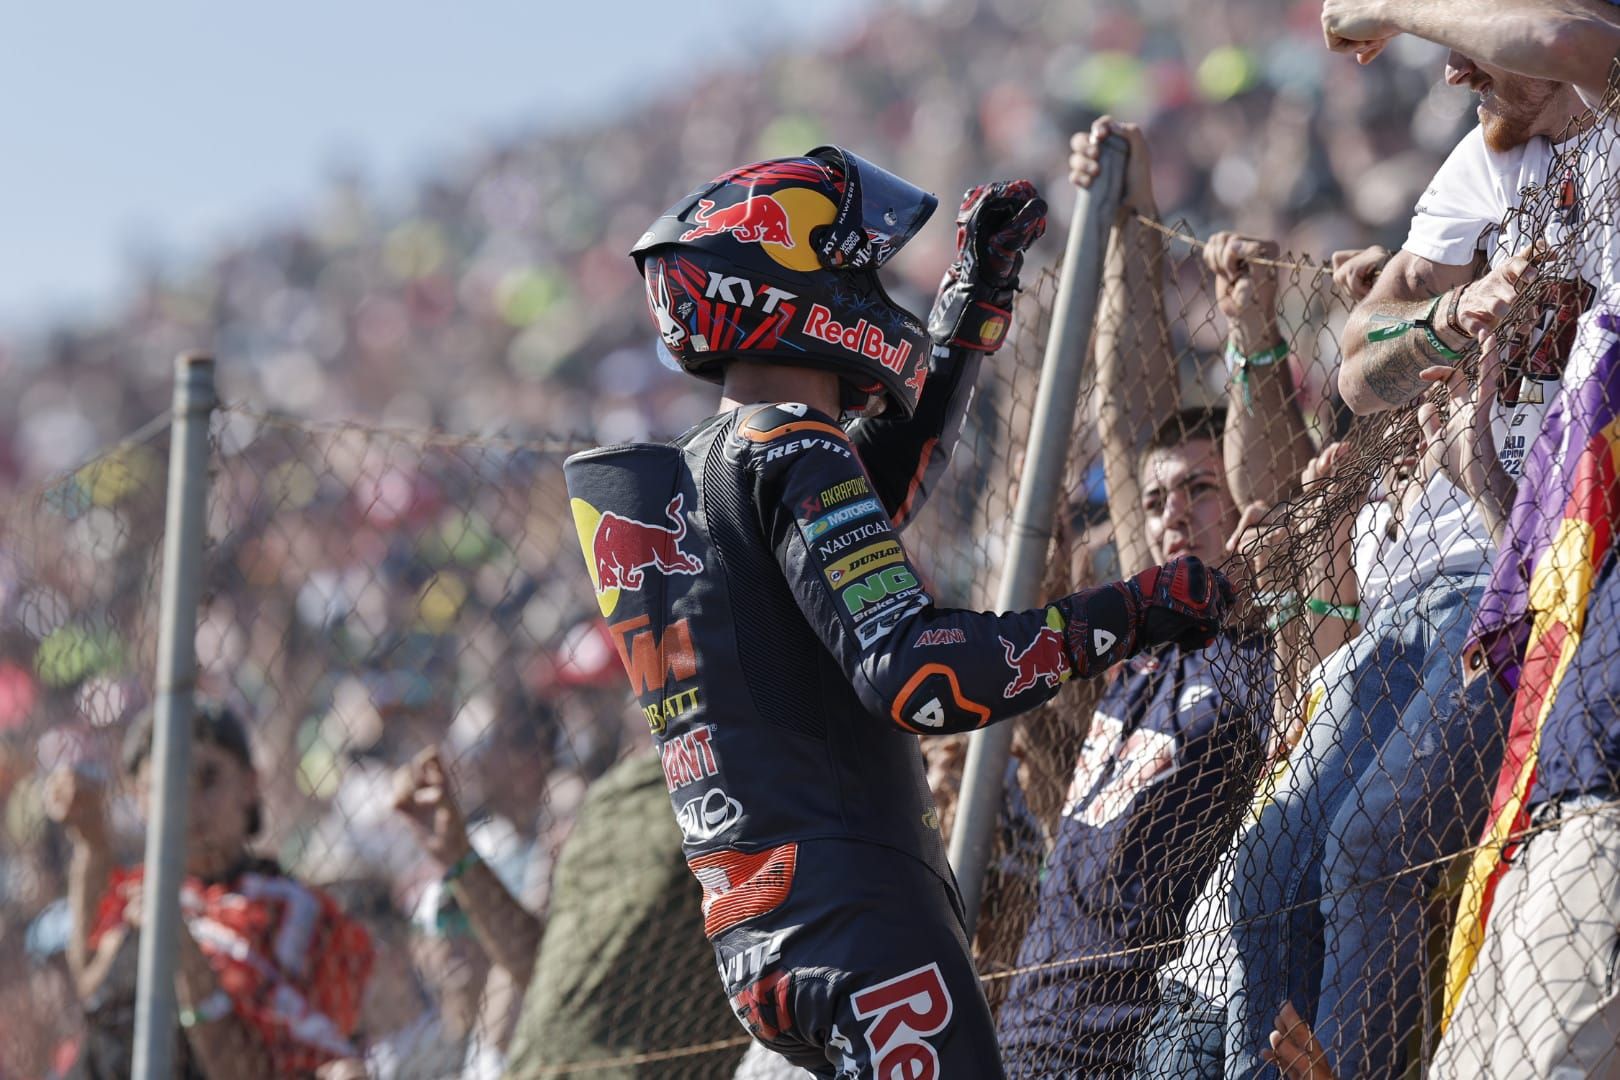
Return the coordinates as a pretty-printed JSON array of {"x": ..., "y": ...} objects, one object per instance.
[
  {"x": 1307, "y": 822},
  {"x": 403, "y": 625}
]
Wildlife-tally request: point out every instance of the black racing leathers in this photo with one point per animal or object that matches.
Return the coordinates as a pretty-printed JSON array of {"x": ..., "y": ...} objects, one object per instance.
[
  {"x": 785, "y": 650},
  {"x": 782, "y": 643}
]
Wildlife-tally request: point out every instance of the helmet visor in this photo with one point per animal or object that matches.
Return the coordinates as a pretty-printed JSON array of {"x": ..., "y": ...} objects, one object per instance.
[
  {"x": 877, "y": 215},
  {"x": 892, "y": 209}
]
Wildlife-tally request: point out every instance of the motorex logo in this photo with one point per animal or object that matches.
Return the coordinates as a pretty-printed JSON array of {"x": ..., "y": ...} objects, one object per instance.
[{"x": 841, "y": 516}]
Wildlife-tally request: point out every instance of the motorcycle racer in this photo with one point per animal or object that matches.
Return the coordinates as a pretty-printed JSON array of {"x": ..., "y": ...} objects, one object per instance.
[{"x": 779, "y": 639}]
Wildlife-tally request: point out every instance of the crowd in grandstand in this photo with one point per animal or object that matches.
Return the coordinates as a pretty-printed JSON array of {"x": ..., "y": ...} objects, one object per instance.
[{"x": 424, "y": 719}]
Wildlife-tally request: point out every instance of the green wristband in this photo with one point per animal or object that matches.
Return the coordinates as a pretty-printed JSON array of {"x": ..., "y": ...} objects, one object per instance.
[
  {"x": 460, "y": 866},
  {"x": 1239, "y": 364},
  {"x": 215, "y": 1006},
  {"x": 1426, "y": 324},
  {"x": 1347, "y": 612},
  {"x": 1284, "y": 608}
]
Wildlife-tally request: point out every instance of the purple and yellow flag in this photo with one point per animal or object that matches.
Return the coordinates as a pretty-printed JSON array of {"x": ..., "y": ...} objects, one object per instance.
[{"x": 1534, "y": 611}]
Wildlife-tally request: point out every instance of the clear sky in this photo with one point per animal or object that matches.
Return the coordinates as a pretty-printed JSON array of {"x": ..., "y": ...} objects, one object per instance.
[{"x": 154, "y": 126}]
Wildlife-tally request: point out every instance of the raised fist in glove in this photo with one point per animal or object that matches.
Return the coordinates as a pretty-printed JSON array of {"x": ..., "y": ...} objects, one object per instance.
[
  {"x": 995, "y": 226},
  {"x": 1182, "y": 602}
]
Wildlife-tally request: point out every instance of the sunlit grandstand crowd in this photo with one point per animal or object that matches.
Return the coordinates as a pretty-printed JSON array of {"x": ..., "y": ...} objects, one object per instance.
[{"x": 1371, "y": 832}]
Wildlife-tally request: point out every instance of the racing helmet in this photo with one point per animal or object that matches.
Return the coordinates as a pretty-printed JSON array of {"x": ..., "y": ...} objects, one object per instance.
[{"x": 778, "y": 260}]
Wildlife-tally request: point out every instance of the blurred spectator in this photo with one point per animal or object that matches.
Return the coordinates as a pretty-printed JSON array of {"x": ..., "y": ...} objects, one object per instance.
[
  {"x": 404, "y": 1030},
  {"x": 624, "y": 940},
  {"x": 613, "y": 945},
  {"x": 507, "y": 933},
  {"x": 270, "y": 972}
]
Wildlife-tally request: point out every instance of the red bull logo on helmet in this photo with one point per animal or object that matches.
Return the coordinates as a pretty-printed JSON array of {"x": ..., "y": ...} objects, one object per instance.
[
  {"x": 619, "y": 551},
  {"x": 1043, "y": 660},
  {"x": 758, "y": 219},
  {"x": 919, "y": 376},
  {"x": 863, "y": 338},
  {"x": 779, "y": 222}
]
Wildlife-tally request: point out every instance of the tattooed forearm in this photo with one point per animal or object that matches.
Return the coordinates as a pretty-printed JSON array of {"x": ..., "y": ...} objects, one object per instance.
[{"x": 1395, "y": 351}]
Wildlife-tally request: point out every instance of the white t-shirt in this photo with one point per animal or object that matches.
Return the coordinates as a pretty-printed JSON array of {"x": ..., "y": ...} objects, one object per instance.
[{"x": 1469, "y": 208}]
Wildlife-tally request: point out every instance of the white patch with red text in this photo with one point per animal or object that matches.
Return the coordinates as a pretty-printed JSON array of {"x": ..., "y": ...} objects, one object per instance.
[{"x": 904, "y": 1011}]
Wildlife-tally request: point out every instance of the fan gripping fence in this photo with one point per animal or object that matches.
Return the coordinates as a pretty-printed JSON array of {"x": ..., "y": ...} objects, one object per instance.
[
  {"x": 1294, "y": 818},
  {"x": 1315, "y": 812}
]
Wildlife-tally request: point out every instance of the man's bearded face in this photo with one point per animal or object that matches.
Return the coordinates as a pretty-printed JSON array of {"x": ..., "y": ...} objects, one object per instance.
[{"x": 1512, "y": 107}]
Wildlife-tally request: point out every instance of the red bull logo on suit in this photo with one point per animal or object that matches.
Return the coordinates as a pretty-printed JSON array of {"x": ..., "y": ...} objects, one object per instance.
[
  {"x": 863, "y": 338},
  {"x": 1042, "y": 660},
  {"x": 901, "y": 1015},
  {"x": 619, "y": 551}
]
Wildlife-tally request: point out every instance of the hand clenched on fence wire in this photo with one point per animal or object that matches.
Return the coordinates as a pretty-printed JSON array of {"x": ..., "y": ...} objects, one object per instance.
[
  {"x": 1478, "y": 308},
  {"x": 1298, "y": 557},
  {"x": 1267, "y": 537},
  {"x": 1245, "y": 274},
  {"x": 1266, "y": 445},
  {"x": 1356, "y": 269},
  {"x": 1295, "y": 1050}
]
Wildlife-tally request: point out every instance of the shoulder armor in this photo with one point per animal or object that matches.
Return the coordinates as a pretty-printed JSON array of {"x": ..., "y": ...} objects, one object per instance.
[{"x": 787, "y": 418}]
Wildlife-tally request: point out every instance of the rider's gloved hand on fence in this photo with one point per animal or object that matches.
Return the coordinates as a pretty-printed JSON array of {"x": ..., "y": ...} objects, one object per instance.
[
  {"x": 994, "y": 227},
  {"x": 1183, "y": 602}
]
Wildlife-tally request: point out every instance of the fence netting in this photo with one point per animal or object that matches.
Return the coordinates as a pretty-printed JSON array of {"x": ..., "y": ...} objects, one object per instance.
[
  {"x": 1318, "y": 811},
  {"x": 403, "y": 626}
]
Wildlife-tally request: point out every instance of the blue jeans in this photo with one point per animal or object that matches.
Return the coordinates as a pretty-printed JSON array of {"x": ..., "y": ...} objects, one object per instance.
[
  {"x": 1403, "y": 662},
  {"x": 1422, "y": 799},
  {"x": 1184, "y": 1038}
]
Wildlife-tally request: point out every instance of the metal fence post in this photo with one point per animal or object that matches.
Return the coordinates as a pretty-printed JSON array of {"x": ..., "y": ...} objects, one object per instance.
[
  {"x": 172, "y": 705},
  {"x": 1050, "y": 430}
]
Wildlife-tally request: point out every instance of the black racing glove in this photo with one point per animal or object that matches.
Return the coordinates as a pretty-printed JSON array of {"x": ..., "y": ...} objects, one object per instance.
[
  {"x": 1182, "y": 602},
  {"x": 995, "y": 226}
]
